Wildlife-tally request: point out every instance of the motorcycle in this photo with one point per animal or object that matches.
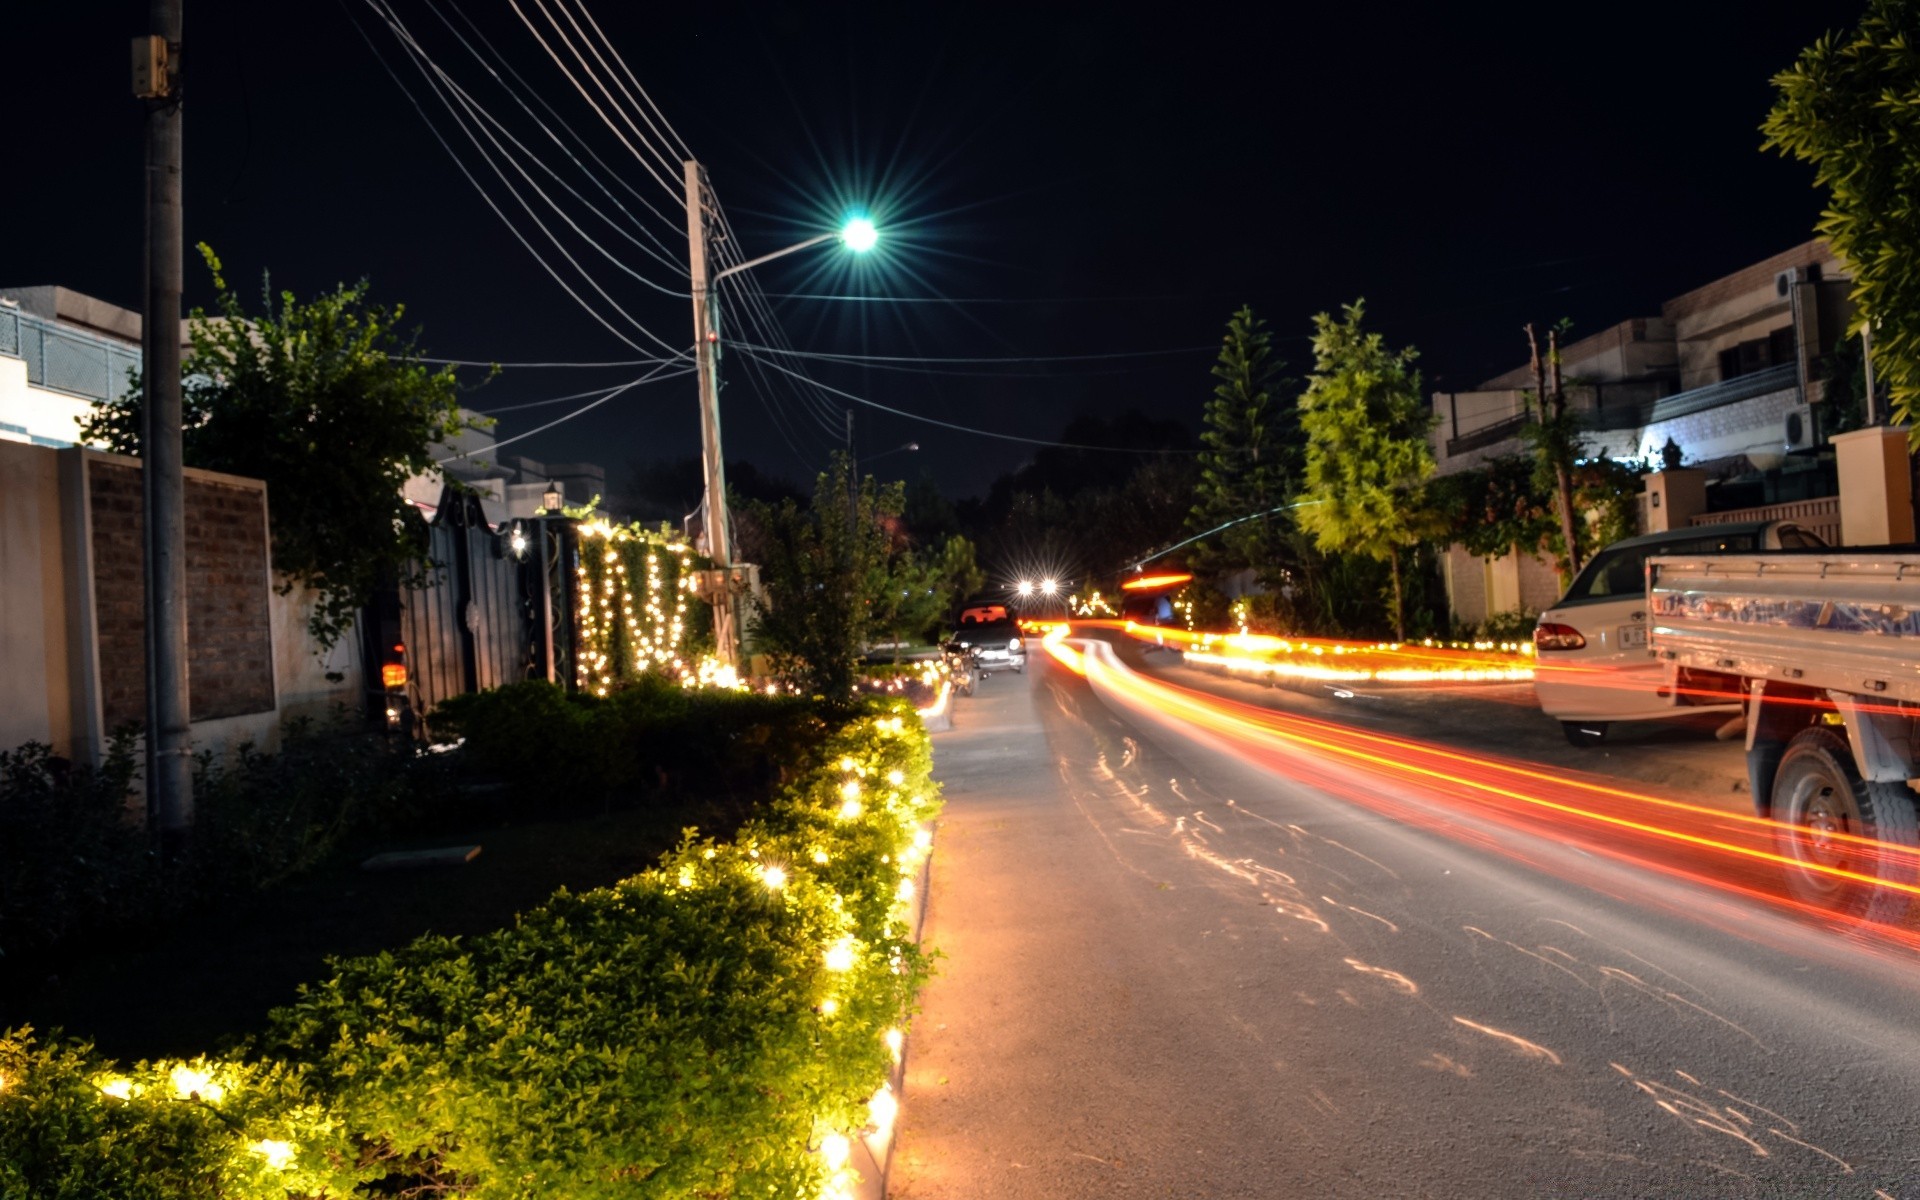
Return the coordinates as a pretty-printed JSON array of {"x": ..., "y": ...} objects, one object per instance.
[{"x": 958, "y": 658}]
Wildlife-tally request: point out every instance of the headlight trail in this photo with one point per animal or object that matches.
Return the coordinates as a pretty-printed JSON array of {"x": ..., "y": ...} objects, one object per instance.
[
  {"x": 1729, "y": 851},
  {"x": 1338, "y": 661}
]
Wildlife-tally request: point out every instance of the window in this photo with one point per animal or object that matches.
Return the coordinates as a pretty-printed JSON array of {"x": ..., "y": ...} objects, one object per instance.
[{"x": 1622, "y": 570}]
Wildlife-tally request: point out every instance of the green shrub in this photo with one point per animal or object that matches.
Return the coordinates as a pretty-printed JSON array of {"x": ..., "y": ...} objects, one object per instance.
[
  {"x": 261, "y": 817},
  {"x": 694, "y": 1031},
  {"x": 75, "y": 860},
  {"x": 73, "y": 857},
  {"x": 574, "y": 751},
  {"x": 1514, "y": 625}
]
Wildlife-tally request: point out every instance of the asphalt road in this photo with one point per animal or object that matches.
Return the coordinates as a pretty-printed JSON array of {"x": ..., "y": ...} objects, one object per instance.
[{"x": 1172, "y": 969}]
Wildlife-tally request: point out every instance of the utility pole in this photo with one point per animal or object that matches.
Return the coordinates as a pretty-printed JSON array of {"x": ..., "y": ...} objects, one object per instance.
[
  {"x": 705, "y": 355},
  {"x": 1872, "y": 414},
  {"x": 156, "y": 80},
  {"x": 853, "y": 476},
  {"x": 1551, "y": 417}
]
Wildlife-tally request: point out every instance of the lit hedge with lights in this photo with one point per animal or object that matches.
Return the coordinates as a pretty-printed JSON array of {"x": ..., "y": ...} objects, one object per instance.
[{"x": 718, "y": 1025}]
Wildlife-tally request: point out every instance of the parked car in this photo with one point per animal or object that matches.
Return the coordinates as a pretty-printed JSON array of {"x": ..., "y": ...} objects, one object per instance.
[
  {"x": 995, "y": 645},
  {"x": 1593, "y": 666}
]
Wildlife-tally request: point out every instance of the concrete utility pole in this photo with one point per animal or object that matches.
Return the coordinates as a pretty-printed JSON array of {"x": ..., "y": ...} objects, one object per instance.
[
  {"x": 706, "y": 335},
  {"x": 1872, "y": 415},
  {"x": 156, "y": 80},
  {"x": 1555, "y": 410}
]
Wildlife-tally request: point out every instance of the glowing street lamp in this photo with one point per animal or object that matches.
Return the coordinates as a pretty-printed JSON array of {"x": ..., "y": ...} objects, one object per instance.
[
  {"x": 1026, "y": 587},
  {"x": 1049, "y": 586},
  {"x": 859, "y": 235}
]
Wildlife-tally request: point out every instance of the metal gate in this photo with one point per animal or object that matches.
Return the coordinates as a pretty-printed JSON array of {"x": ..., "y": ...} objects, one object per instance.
[{"x": 469, "y": 628}]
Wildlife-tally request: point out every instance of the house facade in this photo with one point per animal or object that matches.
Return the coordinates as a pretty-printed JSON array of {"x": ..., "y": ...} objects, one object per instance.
[{"x": 1728, "y": 373}]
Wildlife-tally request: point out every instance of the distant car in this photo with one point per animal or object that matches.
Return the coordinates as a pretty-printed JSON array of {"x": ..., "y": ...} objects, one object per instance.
[
  {"x": 995, "y": 645},
  {"x": 1593, "y": 666}
]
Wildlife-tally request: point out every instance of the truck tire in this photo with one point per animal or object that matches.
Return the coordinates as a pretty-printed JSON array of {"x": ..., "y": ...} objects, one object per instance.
[
  {"x": 1820, "y": 803},
  {"x": 1584, "y": 734}
]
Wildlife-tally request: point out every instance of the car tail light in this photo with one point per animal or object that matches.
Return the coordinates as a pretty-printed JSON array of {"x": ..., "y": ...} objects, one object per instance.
[{"x": 1548, "y": 636}]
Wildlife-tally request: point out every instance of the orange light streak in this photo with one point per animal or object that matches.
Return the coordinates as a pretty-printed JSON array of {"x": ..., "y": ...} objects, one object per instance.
[
  {"x": 1154, "y": 581},
  {"x": 1341, "y": 661},
  {"x": 1494, "y": 787}
]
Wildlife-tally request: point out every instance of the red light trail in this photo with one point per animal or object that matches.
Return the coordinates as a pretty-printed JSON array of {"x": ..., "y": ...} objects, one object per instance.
[{"x": 1728, "y": 851}]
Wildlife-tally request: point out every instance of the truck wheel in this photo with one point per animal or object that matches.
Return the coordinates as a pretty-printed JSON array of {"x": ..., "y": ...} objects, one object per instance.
[
  {"x": 1822, "y": 805},
  {"x": 1584, "y": 734}
]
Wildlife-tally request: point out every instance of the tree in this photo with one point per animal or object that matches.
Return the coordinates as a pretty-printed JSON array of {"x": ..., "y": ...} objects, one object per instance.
[
  {"x": 822, "y": 568},
  {"x": 957, "y": 571},
  {"x": 1250, "y": 458},
  {"x": 1368, "y": 459},
  {"x": 328, "y": 402},
  {"x": 1555, "y": 434},
  {"x": 1851, "y": 107}
]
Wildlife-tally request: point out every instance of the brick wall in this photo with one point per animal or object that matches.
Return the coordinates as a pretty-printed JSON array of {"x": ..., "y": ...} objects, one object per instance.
[{"x": 229, "y": 630}]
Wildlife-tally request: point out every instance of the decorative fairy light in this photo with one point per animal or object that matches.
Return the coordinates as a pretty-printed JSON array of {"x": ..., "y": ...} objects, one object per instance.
[
  {"x": 279, "y": 1155},
  {"x": 626, "y": 632}
]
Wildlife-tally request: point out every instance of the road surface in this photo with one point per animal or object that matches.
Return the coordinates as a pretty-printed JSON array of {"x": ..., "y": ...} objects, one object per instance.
[{"x": 1183, "y": 962}]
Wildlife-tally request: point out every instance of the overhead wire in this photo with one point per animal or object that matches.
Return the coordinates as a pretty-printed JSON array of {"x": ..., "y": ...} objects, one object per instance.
[
  {"x": 444, "y": 86},
  {"x": 656, "y": 376},
  {"x": 486, "y": 197},
  {"x": 507, "y": 408},
  {"x": 648, "y": 166},
  {"x": 986, "y": 433},
  {"x": 659, "y": 250}
]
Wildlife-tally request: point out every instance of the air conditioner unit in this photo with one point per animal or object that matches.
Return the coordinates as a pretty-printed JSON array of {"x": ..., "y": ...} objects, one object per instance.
[{"x": 1796, "y": 428}]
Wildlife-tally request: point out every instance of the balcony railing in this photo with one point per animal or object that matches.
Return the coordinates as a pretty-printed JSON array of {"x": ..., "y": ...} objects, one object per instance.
[
  {"x": 60, "y": 359},
  {"x": 1727, "y": 391},
  {"x": 1633, "y": 405}
]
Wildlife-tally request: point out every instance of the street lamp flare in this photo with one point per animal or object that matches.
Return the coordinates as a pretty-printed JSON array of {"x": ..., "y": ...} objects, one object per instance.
[{"x": 859, "y": 235}]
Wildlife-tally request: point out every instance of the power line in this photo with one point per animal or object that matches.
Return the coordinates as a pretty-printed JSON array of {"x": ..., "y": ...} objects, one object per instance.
[
  {"x": 489, "y": 201},
  {"x": 683, "y": 356},
  {"x": 624, "y": 388},
  {"x": 877, "y": 359},
  {"x": 986, "y": 433}
]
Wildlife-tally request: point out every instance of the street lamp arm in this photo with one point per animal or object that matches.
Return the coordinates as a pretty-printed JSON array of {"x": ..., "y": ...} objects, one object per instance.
[{"x": 754, "y": 262}]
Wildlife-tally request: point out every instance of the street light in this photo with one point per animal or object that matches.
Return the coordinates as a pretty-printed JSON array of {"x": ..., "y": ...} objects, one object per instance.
[
  {"x": 1049, "y": 586},
  {"x": 895, "y": 450},
  {"x": 552, "y": 498},
  {"x": 858, "y": 235}
]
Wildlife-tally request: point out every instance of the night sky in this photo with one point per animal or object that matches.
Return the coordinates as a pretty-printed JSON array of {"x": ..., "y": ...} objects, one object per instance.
[{"x": 1051, "y": 180}]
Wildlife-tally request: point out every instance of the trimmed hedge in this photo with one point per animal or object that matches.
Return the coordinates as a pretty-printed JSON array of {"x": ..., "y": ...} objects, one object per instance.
[
  {"x": 577, "y": 750},
  {"x": 694, "y": 1031},
  {"x": 75, "y": 863}
]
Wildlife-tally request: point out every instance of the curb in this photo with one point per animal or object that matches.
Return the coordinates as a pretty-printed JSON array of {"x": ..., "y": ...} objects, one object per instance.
[{"x": 873, "y": 1153}]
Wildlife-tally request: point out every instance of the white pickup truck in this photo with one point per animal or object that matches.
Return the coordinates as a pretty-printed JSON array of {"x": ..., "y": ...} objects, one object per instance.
[{"x": 1824, "y": 645}]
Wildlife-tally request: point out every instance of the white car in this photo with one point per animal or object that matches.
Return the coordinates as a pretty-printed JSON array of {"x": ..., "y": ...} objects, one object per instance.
[{"x": 1593, "y": 666}]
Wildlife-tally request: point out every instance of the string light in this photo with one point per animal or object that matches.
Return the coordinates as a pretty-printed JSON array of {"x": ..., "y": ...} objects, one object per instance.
[
  {"x": 839, "y": 956},
  {"x": 624, "y": 633},
  {"x": 279, "y": 1155},
  {"x": 191, "y": 1082}
]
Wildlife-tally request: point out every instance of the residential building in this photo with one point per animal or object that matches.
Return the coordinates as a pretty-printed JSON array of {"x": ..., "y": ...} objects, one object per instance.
[
  {"x": 1727, "y": 373},
  {"x": 61, "y": 352}
]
